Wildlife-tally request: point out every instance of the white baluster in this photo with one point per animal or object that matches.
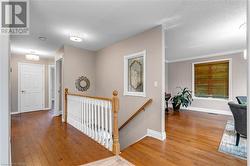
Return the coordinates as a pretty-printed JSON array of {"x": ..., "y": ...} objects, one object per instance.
[
  {"x": 92, "y": 120},
  {"x": 110, "y": 125},
  {"x": 84, "y": 115},
  {"x": 106, "y": 124},
  {"x": 88, "y": 116},
  {"x": 102, "y": 125},
  {"x": 95, "y": 119},
  {"x": 99, "y": 121},
  {"x": 82, "y": 110}
]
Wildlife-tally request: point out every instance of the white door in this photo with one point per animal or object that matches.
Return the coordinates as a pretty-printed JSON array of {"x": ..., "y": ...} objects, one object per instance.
[{"x": 31, "y": 87}]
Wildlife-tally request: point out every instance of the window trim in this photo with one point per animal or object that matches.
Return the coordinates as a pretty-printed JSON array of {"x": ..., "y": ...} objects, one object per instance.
[{"x": 230, "y": 80}]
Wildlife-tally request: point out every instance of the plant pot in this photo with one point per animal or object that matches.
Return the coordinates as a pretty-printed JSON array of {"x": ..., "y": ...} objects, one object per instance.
[{"x": 176, "y": 107}]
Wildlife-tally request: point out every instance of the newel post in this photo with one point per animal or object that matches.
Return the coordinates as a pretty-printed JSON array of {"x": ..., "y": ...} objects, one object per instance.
[
  {"x": 115, "y": 109},
  {"x": 66, "y": 104}
]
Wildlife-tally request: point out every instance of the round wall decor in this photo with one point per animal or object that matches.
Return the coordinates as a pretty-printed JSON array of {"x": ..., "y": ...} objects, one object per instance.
[{"x": 82, "y": 83}]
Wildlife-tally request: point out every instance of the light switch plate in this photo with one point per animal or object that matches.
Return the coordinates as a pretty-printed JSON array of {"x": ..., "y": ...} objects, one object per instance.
[{"x": 156, "y": 84}]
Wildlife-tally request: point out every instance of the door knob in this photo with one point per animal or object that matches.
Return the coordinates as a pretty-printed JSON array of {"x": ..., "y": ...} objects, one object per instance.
[{"x": 23, "y": 91}]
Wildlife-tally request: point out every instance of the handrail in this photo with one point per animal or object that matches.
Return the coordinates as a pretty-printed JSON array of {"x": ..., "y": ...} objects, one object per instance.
[
  {"x": 142, "y": 108},
  {"x": 93, "y": 97}
]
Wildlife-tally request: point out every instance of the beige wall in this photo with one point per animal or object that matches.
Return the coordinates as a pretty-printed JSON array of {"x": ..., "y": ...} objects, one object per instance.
[
  {"x": 180, "y": 74},
  {"x": 78, "y": 62},
  {"x": 109, "y": 77},
  {"x": 105, "y": 72},
  {"x": 15, "y": 59}
]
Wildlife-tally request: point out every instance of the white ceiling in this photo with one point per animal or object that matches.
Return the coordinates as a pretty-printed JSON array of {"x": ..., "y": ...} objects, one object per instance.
[
  {"x": 206, "y": 28},
  {"x": 104, "y": 21},
  {"x": 195, "y": 27}
]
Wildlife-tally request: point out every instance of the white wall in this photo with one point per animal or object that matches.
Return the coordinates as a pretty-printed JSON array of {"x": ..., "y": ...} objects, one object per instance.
[
  {"x": 180, "y": 74},
  {"x": 248, "y": 83},
  {"x": 4, "y": 101}
]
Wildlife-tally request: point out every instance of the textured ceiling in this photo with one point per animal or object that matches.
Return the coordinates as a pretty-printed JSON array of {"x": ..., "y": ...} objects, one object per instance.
[
  {"x": 105, "y": 22},
  {"x": 194, "y": 27},
  {"x": 206, "y": 27}
]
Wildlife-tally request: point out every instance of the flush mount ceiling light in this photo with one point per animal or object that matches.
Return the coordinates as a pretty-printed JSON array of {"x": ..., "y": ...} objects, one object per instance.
[
  {"x": 32, "y": 57},
  {"x": 42, "y": 38},
  {"x": 75, "y": 38}
]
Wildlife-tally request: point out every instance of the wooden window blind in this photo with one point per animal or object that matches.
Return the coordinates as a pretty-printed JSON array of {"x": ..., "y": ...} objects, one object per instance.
[{"x": 212, "y": 79}]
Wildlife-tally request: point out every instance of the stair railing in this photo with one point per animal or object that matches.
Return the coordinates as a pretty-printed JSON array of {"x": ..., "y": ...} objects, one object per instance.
[{"x": 96, "y": 117}]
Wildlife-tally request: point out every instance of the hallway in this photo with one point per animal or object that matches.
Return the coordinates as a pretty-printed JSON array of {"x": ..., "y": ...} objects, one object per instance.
[{"x": 38, "y": 139}]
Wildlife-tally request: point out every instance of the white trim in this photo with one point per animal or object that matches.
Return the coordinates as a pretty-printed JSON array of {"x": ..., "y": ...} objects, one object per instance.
[
  {"x": 230, "y": 79},
  {"x": 5, "y": 107},
  {"x": 151, "y": 133},
  {"x": 163, "y": 77},
  {"x": 227, "y": 53},
  {"x": 126, "y": 92},
  {"x": 19, "y": 83},
  {"x": 16, "y": 112},
  {"x": 248, "y": 83},
  {"x": 57, "y": 113},
  {"x": 207, "y": 110},
  {"x": 156, "y": 134},
  {"x": 49, "y": 84}
]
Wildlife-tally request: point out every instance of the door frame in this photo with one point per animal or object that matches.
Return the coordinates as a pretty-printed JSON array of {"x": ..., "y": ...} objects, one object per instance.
[
  {"x": 19, "y": 84},
  {"x": 58, "y": 112},
  {"x": 50, "y": 67},
  {"x": 5, "y": 100}
]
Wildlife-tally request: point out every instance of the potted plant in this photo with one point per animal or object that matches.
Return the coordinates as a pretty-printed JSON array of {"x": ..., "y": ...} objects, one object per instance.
[{"x": 183, "y": 98}]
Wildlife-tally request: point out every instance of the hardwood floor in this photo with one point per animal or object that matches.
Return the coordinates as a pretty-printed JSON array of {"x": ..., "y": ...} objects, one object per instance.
[
  {"x": 38, "y": 139},
  {"x": 193, "y": 138}
]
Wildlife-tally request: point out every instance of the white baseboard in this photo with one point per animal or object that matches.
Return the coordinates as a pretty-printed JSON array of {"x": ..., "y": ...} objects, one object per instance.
[
  {"x": 156, "y": 134},
  {"x": 13, "y": 113},
  {"x": 207, "y": 110},
  {"x": 16, "y": 112},
  {"x": 57, "y": 112},
  {"x": 150, "y": 133}
]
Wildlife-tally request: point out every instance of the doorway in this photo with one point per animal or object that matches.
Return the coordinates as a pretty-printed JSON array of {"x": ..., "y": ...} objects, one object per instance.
[
  {"x": 51, "y": 83},
  {"x": 58, "y": 88},
  {"x": 31, "y": 87}
]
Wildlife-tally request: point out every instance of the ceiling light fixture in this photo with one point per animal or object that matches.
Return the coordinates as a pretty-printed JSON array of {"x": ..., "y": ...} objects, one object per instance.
[
  {"x": 75, "y": 38},
  {"x": 42, "y": 38},
  {"x": 32, "y": 57}
]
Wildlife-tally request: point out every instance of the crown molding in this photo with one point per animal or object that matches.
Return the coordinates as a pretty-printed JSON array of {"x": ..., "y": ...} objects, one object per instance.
[{"x": 205, "y": 56}]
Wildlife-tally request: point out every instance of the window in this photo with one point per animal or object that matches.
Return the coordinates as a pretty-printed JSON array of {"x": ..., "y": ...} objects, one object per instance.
[{"x": 211, "y": 79}]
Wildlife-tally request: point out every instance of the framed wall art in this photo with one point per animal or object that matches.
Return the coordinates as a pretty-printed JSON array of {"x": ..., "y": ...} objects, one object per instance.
[{"x": 135, "y": 74}]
